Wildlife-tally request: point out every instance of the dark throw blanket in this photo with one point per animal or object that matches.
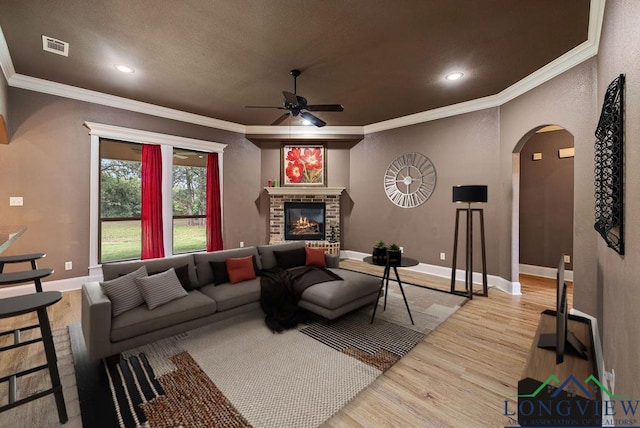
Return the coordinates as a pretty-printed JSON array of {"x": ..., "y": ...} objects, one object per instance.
[{"x": 280, "y": 291}]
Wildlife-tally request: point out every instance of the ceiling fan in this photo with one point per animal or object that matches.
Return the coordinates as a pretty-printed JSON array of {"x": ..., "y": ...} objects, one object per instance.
[{"x": 297, "y": 105}]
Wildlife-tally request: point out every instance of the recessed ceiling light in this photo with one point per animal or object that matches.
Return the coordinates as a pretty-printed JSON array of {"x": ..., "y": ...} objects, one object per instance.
[
  {"x": 305, "y": 122},
  {"x": 124, "y": 68},
  {"x": 454, "y": 76}
]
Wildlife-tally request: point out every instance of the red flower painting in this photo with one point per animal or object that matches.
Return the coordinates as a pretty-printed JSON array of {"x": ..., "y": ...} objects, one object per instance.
[{"x": 303, "y": 165}]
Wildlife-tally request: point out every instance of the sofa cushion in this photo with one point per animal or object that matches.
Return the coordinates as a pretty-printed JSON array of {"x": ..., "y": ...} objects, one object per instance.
[
  {"x": 333, "y": 294},
  {"x": 182, "y": 272},
  {"x": 269, "y": 259},
  {"x": 288, "y": 259},
  {"x": 240, "y": 269},
  {"x": 113, "y": 270},
  {"x": 315, "y": 257},
  {"x": 203, "y": 268},
  {"x": 141, "y": 320},
  {"x": 229, "y": 296},
  {"x": 123, "y": 291},
  {"x": 220, "y": 275},
  {"x": 160, "y": 288}
]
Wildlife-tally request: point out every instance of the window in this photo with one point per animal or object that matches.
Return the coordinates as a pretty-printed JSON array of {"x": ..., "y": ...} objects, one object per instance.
[
  {"x": 116, "y": 166},
  {"x": 189, "y": 201},
  {"x": 120, "y": 184}
]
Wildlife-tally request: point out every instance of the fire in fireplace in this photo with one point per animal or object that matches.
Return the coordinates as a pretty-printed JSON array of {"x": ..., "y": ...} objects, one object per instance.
[{"x": 304, "y": 221}]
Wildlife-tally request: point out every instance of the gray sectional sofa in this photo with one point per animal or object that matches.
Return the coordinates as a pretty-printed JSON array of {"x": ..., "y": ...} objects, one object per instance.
[{"x": 206, "y": 302}]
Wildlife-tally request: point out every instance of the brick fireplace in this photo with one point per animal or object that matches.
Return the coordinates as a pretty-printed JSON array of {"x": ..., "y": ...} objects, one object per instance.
[{"x": 278, "y": 196}]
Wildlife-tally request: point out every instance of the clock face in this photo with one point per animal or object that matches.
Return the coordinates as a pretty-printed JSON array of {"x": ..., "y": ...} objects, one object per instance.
[{"x": 409, "y": 180}]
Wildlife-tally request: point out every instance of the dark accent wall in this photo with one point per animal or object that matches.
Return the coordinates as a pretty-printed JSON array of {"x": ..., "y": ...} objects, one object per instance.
[
  {"x": 47, "y": 162},
  {"x": 546, "y": 200}
]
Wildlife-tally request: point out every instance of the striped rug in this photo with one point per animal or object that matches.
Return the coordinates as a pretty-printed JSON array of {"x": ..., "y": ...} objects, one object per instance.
[{"x": 237, "y": 373}]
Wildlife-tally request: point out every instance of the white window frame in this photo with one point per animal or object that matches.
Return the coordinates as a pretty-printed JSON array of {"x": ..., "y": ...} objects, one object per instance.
[{"x": 167, "y": 144}]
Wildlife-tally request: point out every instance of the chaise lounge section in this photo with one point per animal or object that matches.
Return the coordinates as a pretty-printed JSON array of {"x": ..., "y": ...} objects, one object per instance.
[{"x": 209, "y": 296}]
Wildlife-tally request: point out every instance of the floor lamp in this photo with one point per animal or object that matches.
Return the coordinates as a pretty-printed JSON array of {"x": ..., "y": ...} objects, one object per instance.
[{"x": 469, "y": 195}]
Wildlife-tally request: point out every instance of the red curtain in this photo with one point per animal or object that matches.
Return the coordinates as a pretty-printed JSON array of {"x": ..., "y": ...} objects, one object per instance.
[
  {"x": 214, "y": 211},
  {"x": 152, "y": 241}
]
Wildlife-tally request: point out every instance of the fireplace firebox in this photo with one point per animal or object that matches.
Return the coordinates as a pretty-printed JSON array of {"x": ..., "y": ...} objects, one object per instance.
[{"x": 304, "y": 221}]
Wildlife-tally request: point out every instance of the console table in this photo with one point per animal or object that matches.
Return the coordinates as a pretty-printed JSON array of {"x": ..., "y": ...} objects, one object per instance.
[
  {"x": 404, "y": 262},
  {"x": 581, "y": 392},
  {"x": 37, "y": 302}
]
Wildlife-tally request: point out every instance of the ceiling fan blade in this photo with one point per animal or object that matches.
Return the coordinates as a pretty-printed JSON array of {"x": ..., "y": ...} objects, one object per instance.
[
  {"x": 302, "y": 101},
  {"x": 311, "y": 118},
  {"x": 290, "y": 100},
  {"x": 325, "y": 107},
  {"x": 279, "y": 120},
  {"x": 279, "y": 108}
]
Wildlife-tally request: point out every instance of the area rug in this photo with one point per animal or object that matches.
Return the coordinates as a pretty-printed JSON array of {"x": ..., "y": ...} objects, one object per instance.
[{"x": 237, "y": 373}]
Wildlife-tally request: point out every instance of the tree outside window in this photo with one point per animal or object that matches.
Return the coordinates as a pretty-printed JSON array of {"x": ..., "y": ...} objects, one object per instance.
[
  {"x": 189, "y": 201},
  {"x": 120, "y": 185}
]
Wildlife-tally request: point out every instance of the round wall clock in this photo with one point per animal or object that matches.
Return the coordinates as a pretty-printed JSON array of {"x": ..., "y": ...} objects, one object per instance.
[{"x": 409, "y": 180}]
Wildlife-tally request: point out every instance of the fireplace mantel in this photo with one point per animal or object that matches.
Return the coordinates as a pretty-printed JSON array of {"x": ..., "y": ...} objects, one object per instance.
[{"x": 304, "y": 190}]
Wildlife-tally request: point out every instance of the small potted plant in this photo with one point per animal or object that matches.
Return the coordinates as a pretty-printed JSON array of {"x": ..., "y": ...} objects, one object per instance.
[
  {"x": 379, "y": 254},
  {"x": 394, "y": 255}
]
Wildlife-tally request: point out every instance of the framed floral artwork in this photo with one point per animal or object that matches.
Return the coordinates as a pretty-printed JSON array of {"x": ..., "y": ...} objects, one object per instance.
[{"x": 303, "y": 165}]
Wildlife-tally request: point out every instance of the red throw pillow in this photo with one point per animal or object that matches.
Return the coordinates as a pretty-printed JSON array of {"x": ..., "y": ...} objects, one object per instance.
[
  {"x": 240, "y": 269},
  {"x": 315, "y": 257}
]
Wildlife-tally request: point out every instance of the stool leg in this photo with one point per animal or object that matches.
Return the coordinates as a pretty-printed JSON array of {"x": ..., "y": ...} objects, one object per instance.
[
  {"x": 34, "y": 266},
  {"x": 1, "y": 266},
  {"x": 50, "y": 351},
  {"x": 38, "y": 284}
]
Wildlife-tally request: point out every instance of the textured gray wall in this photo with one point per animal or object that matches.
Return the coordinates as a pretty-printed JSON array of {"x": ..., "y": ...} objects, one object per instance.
[
  {"x": 463, "y": 150},
  {"x": 618, "y": 277},
  {"x": 546, "y": 200},
  {"x": 47, "y": 163}
]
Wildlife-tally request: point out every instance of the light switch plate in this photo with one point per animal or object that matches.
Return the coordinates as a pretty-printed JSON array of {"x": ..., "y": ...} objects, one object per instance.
[{"x": 16, "y": 201}]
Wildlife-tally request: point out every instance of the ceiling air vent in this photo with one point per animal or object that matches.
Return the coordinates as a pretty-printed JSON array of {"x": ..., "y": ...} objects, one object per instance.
[{"x": 55, "y": 46}]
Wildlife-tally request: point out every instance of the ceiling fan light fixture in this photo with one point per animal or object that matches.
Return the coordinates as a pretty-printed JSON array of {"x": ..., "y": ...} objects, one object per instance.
[
  {"x": 454, "y": 76},
  {"x": 124, "y": 68},
  {"x": 305, "y": 122}
]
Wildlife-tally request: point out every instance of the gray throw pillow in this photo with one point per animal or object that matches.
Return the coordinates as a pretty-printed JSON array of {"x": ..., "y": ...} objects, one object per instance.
[
  {"x": 123, "y": 292},
  {"x": 161, "y": 288}
]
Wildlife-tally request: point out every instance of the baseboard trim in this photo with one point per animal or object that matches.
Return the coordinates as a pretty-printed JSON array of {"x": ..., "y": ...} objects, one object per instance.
[
  {"x": 66, "y": 284},
  {"x": 544, "y": 272},
  {"x": 494, "y": 281}
]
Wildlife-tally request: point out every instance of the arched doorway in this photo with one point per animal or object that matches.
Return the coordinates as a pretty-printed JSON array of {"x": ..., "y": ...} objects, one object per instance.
[{"x": 543, "y": 201}]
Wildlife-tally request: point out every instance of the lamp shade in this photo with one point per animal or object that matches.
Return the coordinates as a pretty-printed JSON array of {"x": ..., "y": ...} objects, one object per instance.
[{"x": 470, "y": 193}]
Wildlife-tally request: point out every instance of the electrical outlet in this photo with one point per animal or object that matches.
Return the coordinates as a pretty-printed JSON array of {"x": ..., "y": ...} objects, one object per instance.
[
  {"x": 442, "y": 256},
  {"x": 241, "y": 244},
  {"x": 567, "y": 258},
  {"x": 68, "y": 265},
  {"x": 402, "y": 249}
]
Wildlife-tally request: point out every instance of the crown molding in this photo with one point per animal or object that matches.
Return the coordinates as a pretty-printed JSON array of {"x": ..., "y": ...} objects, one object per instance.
[
  {"x": 570, "y": 59},
  {"x": 5, "y": 58},
  {"x": 67, "y": 91}
]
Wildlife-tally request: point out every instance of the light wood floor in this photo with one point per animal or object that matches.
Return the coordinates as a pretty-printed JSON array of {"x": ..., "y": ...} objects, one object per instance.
[{"x": 459, "y": 376}]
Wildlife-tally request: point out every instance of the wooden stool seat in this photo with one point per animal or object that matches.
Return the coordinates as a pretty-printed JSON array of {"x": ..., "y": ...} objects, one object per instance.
[{"x": 22, "y": 258}]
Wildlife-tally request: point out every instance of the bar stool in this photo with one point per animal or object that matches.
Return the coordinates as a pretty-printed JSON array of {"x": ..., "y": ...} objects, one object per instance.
[
  {"x": 22, "y": 259},
  {"x": 14, "y": 278},
  {"x": 38, "y": 302}
]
